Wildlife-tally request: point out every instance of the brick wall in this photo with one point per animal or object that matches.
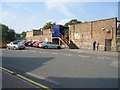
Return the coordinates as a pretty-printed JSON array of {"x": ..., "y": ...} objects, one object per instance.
[
  {"x": 29, "y": 34},
  {"x": 37, "y": 36},
  {"x": 84, "y": 34},
  {"x": 36, "y": 32}
]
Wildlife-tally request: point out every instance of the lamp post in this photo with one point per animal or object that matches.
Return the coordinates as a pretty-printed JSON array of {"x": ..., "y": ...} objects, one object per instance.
[{"x": 69, "y": 35}]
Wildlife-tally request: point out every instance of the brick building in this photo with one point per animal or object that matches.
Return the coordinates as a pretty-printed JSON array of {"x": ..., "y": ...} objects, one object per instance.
[
  {"x": 37, "y": 35},
  {"x": 101, "y": 33}
]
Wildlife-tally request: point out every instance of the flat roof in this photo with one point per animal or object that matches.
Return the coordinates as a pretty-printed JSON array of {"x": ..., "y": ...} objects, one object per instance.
[{"x": 99, "y": 20}]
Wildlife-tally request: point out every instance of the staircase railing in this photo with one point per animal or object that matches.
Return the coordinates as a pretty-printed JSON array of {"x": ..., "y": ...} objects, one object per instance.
[{"x": 64, "y": 39}]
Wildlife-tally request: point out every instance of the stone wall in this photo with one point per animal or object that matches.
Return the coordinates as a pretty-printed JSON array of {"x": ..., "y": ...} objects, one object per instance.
[
  {"x": 36, "y": 32},
  {"x": 84, "y": 34},
  {"x": 45, "y": 36},
  {"x": 29, "y": 34}
]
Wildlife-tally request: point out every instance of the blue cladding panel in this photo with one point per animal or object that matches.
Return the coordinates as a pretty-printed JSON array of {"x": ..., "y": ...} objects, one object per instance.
[{"x": 56, "y": 31}]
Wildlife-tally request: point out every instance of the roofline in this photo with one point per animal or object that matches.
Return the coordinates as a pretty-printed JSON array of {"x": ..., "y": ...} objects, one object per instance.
[
  {"x": 104, "y": 19},
  {"x": 96, "y": 20}
]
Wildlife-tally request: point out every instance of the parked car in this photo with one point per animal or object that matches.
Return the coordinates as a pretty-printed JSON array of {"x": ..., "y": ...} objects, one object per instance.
[
  {"x": 15, "y": 45},
  {"x": 31, "y": 43},
  {"x": 35, "y": 44},
  {"x": 40, "y": 44},
  {"x": 27, "y": 43},
  {"x": 50, "y": 45}
]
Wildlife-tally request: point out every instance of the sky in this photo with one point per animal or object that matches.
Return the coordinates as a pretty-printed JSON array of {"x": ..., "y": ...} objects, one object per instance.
[{"x": 25, "y": 15}]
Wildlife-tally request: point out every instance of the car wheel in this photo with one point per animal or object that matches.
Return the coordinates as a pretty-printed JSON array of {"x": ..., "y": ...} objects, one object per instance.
[
  {"x": 58, "y": 47},
  {"x": 14, "y": 48},
  {"x": 45, "y": 47},
  {"x": 7, "y": 47}
]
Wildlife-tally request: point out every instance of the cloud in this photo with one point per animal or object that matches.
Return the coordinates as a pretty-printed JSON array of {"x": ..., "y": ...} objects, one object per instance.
[
  {"x": 17, "y": 23},
  {"x": 61, "y": 6}
]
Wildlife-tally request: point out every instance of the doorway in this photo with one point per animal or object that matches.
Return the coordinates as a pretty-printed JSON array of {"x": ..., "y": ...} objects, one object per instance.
[{"x": 108, "y": 44}]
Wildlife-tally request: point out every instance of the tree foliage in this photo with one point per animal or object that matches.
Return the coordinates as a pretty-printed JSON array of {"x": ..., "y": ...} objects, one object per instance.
[
  {"x": 23, "y": 35},
  {"x": 48, "y": 25},
  {"x": 73, "y": 21},
  {"x": 7, "y": 35},
  {"x": 11, "y": 35}
]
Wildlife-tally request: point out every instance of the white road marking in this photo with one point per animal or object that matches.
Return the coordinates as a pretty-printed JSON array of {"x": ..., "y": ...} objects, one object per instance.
[
  {"x": 114, "y": 64},
  {"x": 80, "y": 51},
  {"x": 43, "y": 52},
  {"x": 67, "y": 54},
  {"x": 43, "y": 78},
  {"x": 108, "y": 58},
  {"x": 54, "y": 53},
  {"x": 32, "y": 51},
  {"x": 83, "y": 56},
  {"x": 34, "y": 75},
  {"x": 49, "y": 80},
  {"x": 101, "y": 58}
]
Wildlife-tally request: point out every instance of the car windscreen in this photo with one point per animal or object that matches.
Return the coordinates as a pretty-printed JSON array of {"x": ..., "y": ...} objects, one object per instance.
[
  {"x": 52, "y": 43},
  {"x": 15, "y": 42}
]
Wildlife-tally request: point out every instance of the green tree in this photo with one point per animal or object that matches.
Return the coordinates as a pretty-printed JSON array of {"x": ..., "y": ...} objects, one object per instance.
[
  {"x": 4, "y": 33},
  {"x": 8, "y": 35},
  {"x": 18, "y": 36},
  {"x": 11, "y": 35},
  {"x": 23, "y": 35},
  {"x": 73, "y": 21},
  {"x": 48, "y": 25}
]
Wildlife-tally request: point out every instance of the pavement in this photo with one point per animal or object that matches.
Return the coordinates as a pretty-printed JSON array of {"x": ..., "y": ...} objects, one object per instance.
[{"x": 108, "y": 53}]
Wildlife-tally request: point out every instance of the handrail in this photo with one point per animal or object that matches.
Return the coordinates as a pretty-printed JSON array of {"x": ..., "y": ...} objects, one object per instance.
[{"x": 64, "y": 39}]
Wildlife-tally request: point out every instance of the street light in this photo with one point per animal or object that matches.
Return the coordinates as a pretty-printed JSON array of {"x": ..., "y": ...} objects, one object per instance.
[{"x": 69, "y": 35}]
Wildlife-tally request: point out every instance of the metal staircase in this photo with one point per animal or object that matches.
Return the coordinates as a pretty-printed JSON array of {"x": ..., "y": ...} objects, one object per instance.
[{"x": 64, "y": 40}]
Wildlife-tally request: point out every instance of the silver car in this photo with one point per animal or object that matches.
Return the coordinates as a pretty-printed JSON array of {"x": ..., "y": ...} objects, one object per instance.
[
  {"x": 50, "y": 45},
  {"x": 15, "y": 45}
]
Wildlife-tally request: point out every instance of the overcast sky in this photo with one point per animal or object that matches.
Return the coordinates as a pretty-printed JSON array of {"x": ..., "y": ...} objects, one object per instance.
[{"x": 33, "y": 14}]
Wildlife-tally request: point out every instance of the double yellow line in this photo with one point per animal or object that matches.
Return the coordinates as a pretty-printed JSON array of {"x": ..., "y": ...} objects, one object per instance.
[{"x": 26, "y": 79}]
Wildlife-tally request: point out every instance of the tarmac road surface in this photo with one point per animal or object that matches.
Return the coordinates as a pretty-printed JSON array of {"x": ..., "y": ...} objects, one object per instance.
[{"x": 63, "y": 68}]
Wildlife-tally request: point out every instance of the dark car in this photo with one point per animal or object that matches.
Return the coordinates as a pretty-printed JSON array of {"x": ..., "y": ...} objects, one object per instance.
[{"x": 31, "y": 43}]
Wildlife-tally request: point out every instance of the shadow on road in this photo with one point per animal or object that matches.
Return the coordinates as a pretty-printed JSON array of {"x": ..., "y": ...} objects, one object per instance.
[
  {"x": 86, "y": 82},
  {"x": 24, "y": 64}
]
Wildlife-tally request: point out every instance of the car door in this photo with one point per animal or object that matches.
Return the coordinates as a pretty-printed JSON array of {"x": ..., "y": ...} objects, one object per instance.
[
  {"x": 49, "y": 45},
  {"x": 53, "y": 45},
  {"x": 11, "y": 45}
]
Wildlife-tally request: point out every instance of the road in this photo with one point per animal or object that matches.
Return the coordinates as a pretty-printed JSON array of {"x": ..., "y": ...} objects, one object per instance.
[
  {"x": 11, "y": 81},
  {"x": 63, "y": 68}
]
